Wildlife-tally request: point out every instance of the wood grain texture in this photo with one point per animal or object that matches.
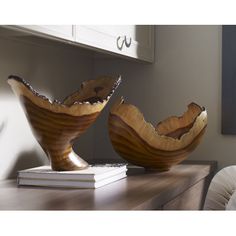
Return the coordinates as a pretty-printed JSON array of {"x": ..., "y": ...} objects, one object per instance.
[
  {"x": 159, "y": 148},
  {"x": 57, "y": 125},
  {"x": 141, "y": 190},
  {"x": 191, "y": 199}
]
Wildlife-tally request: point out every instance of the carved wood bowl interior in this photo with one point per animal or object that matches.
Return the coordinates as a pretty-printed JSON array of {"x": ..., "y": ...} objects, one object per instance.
[
  {"x": 56, "y": 124},
  {"x": 160, "y": 147}
]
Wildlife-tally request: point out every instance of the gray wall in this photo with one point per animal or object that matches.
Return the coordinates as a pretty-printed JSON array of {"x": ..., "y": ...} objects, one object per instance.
[
  {"x": 187, "y": 68},
  {"x": 55, "y": 70}
]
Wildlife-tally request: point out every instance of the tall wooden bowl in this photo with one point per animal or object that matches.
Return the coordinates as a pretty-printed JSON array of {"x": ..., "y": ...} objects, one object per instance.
[
  {"x": 158, "y": 148},
  {"x": 56, "y": 125}
]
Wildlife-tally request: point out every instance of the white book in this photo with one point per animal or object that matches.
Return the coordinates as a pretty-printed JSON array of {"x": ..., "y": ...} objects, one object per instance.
[
  {"x": 70, "y": 183},
  {"x": 92, "y": 173}
]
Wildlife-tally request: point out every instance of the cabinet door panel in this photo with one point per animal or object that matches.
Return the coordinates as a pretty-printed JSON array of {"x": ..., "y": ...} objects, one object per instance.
[
  {"x": 110, "y": 38},
  {"x": 60, "y": 31}
]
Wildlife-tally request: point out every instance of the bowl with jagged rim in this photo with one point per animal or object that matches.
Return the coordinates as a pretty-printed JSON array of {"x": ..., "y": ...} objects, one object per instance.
[
  {"x": 160, "y": 147},
  {"x": 56, "y": 125}
]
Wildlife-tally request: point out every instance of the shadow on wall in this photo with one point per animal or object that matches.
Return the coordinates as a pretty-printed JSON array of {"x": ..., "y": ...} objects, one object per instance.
[
  {"x": 25, "y": 160},
  {"x": 2, "y": 127},
  {"x": 52, "y": 70}
]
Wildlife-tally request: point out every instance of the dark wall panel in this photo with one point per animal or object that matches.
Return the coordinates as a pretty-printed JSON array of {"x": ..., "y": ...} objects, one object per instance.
[{"x": 229, "y": 80}]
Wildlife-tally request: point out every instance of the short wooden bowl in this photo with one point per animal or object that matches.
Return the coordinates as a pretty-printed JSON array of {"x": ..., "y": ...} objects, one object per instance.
[
  {"x": 158, "y": 148},
  {"x": 56, "y": 124}
]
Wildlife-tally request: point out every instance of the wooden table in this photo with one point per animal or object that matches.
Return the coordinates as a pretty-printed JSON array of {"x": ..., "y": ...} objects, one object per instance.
[{"x": 183, "y": 187}]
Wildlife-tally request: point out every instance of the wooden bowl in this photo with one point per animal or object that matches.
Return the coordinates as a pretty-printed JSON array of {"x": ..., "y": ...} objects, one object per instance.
[
  {"x": 56, "y": 125},
  {"x": 158, "y": 148}
]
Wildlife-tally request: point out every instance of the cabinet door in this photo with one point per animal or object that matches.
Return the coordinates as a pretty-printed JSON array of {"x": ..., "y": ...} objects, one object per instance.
[
  {"x": 135, "y": 41},
  {"x": 59, "y": 31}
]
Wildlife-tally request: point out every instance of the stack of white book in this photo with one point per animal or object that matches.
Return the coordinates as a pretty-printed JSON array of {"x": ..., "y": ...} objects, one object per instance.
[{"x": 94, "y": 176}]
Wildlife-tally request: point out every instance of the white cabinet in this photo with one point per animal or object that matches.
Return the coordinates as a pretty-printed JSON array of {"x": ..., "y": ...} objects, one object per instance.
[
  {"x": 59, "y": 31},
  {"x": 135, "y": 41},
  {"x": 131, "y": 41}
]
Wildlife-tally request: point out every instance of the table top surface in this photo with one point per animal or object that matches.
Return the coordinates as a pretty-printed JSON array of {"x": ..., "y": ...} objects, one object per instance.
[{"x": 140, "y": 190}]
